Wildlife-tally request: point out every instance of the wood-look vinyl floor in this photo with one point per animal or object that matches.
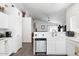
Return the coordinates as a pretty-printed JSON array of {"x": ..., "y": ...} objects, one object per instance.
[{"x": 26, "y": 50}]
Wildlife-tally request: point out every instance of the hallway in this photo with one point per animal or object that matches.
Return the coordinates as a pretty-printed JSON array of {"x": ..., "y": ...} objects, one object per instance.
[{"x": 26, "y": 50}]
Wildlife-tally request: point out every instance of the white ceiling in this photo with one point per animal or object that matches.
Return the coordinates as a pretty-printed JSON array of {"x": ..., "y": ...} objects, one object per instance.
[{"x": 43, "y": 11}]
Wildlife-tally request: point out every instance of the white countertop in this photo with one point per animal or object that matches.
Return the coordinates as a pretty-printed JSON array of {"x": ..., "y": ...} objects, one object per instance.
[
  {"x": 74, "y": 39},
  {"x": 5, "y": 38}
]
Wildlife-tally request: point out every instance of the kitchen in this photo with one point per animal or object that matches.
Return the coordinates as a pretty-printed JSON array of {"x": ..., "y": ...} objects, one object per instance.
[{"x": 31, "y": 29}]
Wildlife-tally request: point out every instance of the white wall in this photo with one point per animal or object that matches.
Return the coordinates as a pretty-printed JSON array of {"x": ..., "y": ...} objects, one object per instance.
[
  {"x": 57, "y": 18},
  {"x": 39, "y": 23},
  {"x": 54, "y": 22}
]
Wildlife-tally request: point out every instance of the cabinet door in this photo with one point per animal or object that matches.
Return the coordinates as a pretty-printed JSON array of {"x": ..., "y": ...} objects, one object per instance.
[
  {"x": 19, "y": 42},
  {"x": 74, "y": 23},
  {"x": 2, "y": 48},
  {"x": 8, "y": 46},
  {"x": 60, "y": 45},
  {"x": 70, "y": 48},
  {"x": 50, "y": 46},
  {"x": 3, "y": 20}
]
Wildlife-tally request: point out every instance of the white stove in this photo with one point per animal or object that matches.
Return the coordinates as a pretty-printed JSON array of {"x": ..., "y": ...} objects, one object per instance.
[{"x": 40, "y": 42}]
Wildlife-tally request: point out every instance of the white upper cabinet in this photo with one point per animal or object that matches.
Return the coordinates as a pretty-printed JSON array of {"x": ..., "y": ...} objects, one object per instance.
[
  {"x": 3, "y": 20},
  {"x": 74, "y": 23},
  {"x": 72, "y": 18},
  {"x": 13, "y": 11}
]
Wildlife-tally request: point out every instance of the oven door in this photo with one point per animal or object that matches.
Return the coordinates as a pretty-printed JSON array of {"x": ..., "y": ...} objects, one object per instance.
[{"x": 40, "y": 45}]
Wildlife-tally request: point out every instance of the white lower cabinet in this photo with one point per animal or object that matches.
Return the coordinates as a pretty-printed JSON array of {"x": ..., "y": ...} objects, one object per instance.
[
  {"x": 71, "y": 47},
  {"x": 56, "y": 45},
  {"x": 50, "y": 46},
  {"x": 2, "y": 48},
  {"x": 8, "y": 46},
  {"x": 60, "y": 45}
]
